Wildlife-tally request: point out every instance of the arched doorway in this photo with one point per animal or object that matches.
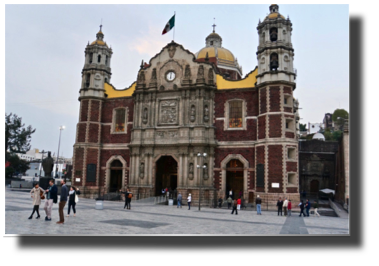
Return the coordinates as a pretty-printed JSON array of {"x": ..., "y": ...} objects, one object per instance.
[
  {"x": 166, "y": 175},
  {"x": 234, "y": 178},
  {"x": 115, "y": 183}
]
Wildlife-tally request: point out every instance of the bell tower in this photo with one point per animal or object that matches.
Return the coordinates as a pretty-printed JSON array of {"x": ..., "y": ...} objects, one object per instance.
[
  {"x": 275, "y": 52},
  {"x": 277, "y": 169},
  {"x": 97, "y": 67}
]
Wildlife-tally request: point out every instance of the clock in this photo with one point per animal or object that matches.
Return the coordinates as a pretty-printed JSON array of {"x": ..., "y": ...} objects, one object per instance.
[{"x": 170, "y": 76}]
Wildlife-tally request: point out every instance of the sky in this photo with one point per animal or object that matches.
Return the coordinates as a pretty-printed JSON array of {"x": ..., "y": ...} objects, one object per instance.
[{"x": 44, "y": 54}]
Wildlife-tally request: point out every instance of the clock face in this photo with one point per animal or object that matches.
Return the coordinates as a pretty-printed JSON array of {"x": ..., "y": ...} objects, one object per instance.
[{"x": 170, "y": 76}]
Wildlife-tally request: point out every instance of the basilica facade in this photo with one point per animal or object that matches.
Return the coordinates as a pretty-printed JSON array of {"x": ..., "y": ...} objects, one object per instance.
[{"x": 191, "y": 122}]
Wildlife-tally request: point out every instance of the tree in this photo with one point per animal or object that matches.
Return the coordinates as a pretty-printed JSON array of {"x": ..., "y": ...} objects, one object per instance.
[
  {"x": 18, "y": 166},
  {"x": 17, "y": 137},
  {"x": 339, "y": 117},
  {"x": 303, "y": 127}
]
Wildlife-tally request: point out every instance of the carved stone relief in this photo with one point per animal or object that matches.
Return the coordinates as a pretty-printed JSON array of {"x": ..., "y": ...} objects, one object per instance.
[
  {"x": 190, "y": 171},
  {"x": 206, "y": 113},
  {"x": 97, "y": 80},
  {"x": 145, "y": 115},
  {"x": 193, "y": 113},
  {"x": 210, "y": 76},
  {"x": 200, "y": 75},
  {"x": 171, "y": 51},
  {"x": 168, "y": 113},
  {"x": 142, "y": 170}
]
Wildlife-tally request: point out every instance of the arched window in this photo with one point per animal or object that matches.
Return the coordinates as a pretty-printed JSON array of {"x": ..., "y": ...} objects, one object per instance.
[
  {"x": 119, "y": 120},
  {"x": 88, "y": 76},
  {"x": 273, "y": 34},
  {"x": 106, "y": 60},
  {"x": 99, "y": 58},
  {"x": 90, "y": 58},
  {"x": 274, "y": 61},
  {"x": 235, "y": 114}
]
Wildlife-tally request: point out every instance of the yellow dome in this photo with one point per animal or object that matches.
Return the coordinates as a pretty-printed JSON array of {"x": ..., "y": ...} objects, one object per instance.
[
  {"x": 274, "y": 15},
  {"x": 222, "y": 53},
  {"x": 99, "y": 42}
]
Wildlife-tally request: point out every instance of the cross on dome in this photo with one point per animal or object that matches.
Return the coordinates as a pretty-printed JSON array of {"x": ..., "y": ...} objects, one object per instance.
[{"x": 214, "y": 25}]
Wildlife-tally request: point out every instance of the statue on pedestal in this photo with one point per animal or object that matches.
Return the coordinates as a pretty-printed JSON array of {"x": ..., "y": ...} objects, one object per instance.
[{"x": 48, "y": 165}]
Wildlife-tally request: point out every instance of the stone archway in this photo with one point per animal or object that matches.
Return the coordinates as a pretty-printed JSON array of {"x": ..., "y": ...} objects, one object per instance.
[
  {"x": 108, "y": 169},
  {"x": 224, "y": 163},
  {"x": 166, "y": 173}
]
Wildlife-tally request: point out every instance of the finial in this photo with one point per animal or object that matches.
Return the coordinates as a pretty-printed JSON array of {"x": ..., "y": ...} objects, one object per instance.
[
  {"x": 101, "y": 24},
  {"x": 214, "y": 25},
  {"x": 141, "y": 64}
]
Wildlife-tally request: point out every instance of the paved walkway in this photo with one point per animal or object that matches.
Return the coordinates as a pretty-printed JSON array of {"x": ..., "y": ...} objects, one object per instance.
[{"x": 146, "y": 218}]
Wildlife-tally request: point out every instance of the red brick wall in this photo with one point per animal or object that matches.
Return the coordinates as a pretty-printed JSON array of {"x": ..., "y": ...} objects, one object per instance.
[
  {"x": 291, "y": 116},
  {"x": 291, "y": 166},
  {"x": 247, "y": 153},
  {"x": 260, "y": 155},
  {"x": 288, "y": 109},
  {"x": 84, "y": 110},
  {"x": 236, "y": 135},
  {"x": 250, "y": 96},
  {"x": 110, "y": 104},
  {"x": 275, "y": 129},
  {"x": 292, "y": 190},
  {"x": 287, "y": 90},
  {"x": 82, "y": 132},
  {"x": 275, "y": 171},
  {"x": 79, "y": 157},
  {"x": 290, "y": 135},
  {"x": 274, "y": 99},
  {"x": 107, "y": 137},
  {"x": 263, "y": 101},
  {"x": 95, "y": 110},
  {"x": 93, "y": 133},
  {"x": 261, "y": 127},
  {"x": 92, "y": 156}
]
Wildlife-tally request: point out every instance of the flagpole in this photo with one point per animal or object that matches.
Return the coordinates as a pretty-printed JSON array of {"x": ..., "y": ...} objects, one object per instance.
[{"x": 173, "y": 37}]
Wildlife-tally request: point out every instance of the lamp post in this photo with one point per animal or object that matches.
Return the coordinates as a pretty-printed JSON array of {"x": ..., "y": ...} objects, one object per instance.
[
  {"x": 201, "y": 166},
  {"x": 59, "y": 144}
]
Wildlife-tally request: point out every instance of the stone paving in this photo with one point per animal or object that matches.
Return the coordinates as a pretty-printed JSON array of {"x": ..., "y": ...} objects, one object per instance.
[{"x": 146, "y": 218}]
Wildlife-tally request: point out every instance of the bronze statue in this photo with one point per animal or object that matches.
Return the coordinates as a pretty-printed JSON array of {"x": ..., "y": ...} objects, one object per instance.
[{"x": 48, "y": 165}]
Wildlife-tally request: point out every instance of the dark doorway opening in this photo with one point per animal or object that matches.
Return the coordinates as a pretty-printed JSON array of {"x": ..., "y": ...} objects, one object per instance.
[
  {"x": 166, "y": 175},
  {"x": 314, "y": 187},
  {"x": 116, "y": 176},
  {"x": 234, "y": 178}
]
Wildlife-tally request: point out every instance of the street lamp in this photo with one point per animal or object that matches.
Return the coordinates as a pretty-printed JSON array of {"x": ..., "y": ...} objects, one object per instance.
[
  {"x": 59, "y": 144},
  {"x": 201, "y": 166}
]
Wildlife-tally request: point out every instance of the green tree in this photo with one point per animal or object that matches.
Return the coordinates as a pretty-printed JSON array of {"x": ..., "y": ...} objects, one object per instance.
[
  {"x": 339, "y": 117},
  {"x": 17, "y": 165},
  {"x": 17, "y": 136},
  {"x": 303, "y": 127},
  {"x": 328, "y": 135}
]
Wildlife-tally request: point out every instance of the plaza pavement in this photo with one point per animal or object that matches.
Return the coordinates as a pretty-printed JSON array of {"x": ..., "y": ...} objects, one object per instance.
[{"x": 147, "y": 218}]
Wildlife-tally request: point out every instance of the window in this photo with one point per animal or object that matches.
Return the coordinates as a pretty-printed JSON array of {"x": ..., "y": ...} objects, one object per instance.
[
  {"x": 291, "y": 153},
  {"x": 98, "y": 58},
  {"x": 290, "y": 125},
  {"x": 90, "y": 57},
  {"x": 292, "y": 179},
  {"x": 106, "y": 60},
  {"x": 211, "y": 42},
  {"x": 273, "y": 34},
  {"x": 91, "y": 172},
  {"x": 288, "y": 100},
  {"x": 235, "y": 114},
  {"x": 119, "y": 120},
  {"x": 88, "y": 76}
]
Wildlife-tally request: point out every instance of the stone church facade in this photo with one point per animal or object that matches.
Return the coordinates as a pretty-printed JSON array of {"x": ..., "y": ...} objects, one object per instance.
[{"x": 148, "y": 136}]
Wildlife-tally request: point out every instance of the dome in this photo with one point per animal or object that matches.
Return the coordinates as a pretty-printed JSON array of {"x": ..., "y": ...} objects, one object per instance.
[
  {"x": 219, "y": 52},
  {"x": 318, "y": 136},
  {"x": 99, "y": 39},
  {"x": 274, "y": 13}
]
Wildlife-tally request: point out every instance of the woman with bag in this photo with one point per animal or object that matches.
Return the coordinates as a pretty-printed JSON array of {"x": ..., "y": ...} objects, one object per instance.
[
  {"x": 37, "y": 194},
  {"x": 73, "y": 199}
]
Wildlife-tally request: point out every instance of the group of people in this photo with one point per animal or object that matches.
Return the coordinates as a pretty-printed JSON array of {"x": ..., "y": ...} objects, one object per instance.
[
  {"x": 286, "y": 205},
  {"x": 51, "y": 195},
  {"x": 128, "y": 198},
  {"x": 306, "y": 206}
]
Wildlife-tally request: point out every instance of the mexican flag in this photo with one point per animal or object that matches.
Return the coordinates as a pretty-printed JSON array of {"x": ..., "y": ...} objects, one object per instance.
[{"x": 170, "y": 24}]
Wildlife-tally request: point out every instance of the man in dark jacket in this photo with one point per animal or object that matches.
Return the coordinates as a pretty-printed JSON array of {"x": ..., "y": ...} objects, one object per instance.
[
  {"x": 62, "y": 202},
  {"x": 235, "y": 207},
  {"x": 280, "y": 206},
  {"x": 51, "y": 197},
  {"x": 307, "y": 207},
  {"x": 128, "y": 198}
]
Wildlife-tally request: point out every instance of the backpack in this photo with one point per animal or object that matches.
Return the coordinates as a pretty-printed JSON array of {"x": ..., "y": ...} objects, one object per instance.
[{"x": 130, "y": 195}]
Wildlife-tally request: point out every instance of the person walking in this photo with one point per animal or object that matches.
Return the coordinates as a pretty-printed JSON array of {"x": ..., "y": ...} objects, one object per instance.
[
  {"x": 239, "y": 204},
  {"x": 289, "y": 208},
  {"x": 51, "y": 197},
  {"x": 72, "y": 200},
  {"x": 229, "y": 200},
  {"x": 63, "y": 201},
  {"x": 315, "y": 205},
  {"x": 36, "y": 194},
  {"x": 234, "y": 207},
  {"x": 128, "y": 198},
  {"x": 258, "y": 203},
  {"x": 307, "y": 206},
  {"x": 301, "y": 205},
  {"x": 279, "y": 204},
  {"x": 179, "y": 199},
  {"x": 285, "y": 206},
  {"x": 189, "y": 199}
]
